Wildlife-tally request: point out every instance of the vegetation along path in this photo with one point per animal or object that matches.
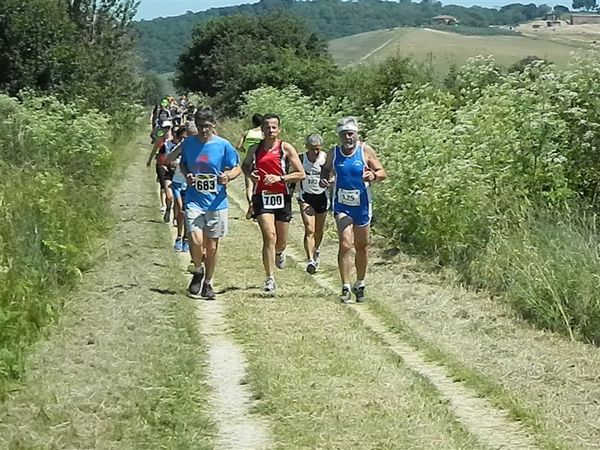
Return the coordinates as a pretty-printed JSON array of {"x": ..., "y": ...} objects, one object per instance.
[{"x": 134, "y": 363}]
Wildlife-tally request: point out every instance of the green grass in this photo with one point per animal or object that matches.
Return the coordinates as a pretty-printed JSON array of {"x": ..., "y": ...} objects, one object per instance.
[{"x": 443, "y": 49}]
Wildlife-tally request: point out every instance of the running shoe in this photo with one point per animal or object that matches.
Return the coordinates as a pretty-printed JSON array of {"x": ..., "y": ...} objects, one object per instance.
[
  {"x": 280, "y": 260},
  {"x": 269, "y": 286},
  {"x": 162, "y": 209},
  {"x": 207, "y": 292},
  {"x": 359, "y": 292},
  {"x": 317, "y": 258},
  {"x": 185, "y": 246},
  {"x": 346, "y": 295},
  {"x": 196, "y": 285},
  {"x": 178, "y": 245},
  {"x": 311, "y": 267},
  {"x": 167, "y": 216}
]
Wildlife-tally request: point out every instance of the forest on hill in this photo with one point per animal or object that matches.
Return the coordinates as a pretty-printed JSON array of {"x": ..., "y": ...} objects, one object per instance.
[{"x": 161, "y": 40}]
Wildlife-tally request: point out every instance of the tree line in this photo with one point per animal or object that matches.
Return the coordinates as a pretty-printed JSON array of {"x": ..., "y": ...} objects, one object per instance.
[
  {"x": 162, "y": 40},
  {"x": 81, "y": 49}
]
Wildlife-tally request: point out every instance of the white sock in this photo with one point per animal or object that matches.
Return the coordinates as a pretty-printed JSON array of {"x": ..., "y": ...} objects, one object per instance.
[
  {"x": 359, "y": 284},
  {"x": 208, "y": 282},
  {"x": 346, "y": 286}
]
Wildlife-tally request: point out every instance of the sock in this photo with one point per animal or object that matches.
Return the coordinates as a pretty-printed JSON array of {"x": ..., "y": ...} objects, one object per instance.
[
  {"x": 208, "y": 282},
  {"x": 199, "y": 268},
  {"x": 346, "y": 286},
  {"x": 359, "y": 284},
  {"x": 271, "y": 278}
]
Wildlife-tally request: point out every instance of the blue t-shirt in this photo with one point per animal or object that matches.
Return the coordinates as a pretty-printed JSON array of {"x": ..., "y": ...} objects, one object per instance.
[{"x": 206, "y": 160}]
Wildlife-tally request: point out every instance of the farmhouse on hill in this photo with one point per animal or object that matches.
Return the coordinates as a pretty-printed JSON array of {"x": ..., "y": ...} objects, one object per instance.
[
  {"x": 445, "y": 20},
  {"x": 582, "y": 19}
]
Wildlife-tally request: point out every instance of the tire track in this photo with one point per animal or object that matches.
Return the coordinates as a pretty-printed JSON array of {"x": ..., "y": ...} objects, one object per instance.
[{"x": 490, "y": 425}]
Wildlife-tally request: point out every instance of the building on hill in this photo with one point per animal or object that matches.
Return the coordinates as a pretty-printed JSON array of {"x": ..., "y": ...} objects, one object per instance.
[
  {"x": 582, "y": 19},
  {"x": 445, "y": 20}
]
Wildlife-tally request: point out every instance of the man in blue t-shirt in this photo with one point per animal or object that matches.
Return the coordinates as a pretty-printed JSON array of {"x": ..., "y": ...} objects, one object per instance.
[{"x": 208, "y": 163}]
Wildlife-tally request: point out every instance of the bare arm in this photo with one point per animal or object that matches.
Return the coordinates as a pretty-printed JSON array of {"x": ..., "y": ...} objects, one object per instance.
[
  {"x": 153, "y": 152},
  {"x": 247, "y": 163},
  {"x": 240, "y": 145},
  {"x": 296, "y": 168},
  {"x": 326, "y": 170},
  {"x": 376, "y": 171},
  {"x": 171, "y": 157}
]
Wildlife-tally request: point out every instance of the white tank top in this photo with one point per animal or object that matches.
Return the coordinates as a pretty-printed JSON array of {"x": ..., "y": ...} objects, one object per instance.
[{"x": 310, "y": 185}]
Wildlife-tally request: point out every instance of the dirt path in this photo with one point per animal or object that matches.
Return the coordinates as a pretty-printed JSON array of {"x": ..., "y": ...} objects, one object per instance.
[{"x": 230, "y": 399}]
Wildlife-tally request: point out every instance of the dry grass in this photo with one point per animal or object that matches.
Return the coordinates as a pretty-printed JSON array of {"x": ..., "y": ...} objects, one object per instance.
[
  {"x": 443, "y": 49},
  {"x": 543, "y": 379},
  {"x": 320, "y": 377},
  {"x": 123, "y": 369}
]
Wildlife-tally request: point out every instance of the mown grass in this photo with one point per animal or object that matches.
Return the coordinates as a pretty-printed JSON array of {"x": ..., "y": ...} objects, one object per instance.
[
  {"x": 316, "y": 373},
  {"x": 124, "y": 366}
]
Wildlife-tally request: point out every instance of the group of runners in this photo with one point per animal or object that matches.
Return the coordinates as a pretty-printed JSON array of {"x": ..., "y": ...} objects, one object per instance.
[{"x": 194, "y": 166}]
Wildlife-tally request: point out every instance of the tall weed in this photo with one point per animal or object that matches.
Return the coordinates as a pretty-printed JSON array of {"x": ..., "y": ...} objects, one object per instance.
[{"x": 57, "y": 165}]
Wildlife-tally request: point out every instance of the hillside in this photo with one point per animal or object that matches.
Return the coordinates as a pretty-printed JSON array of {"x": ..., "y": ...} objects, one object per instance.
[
  {"x": 162, "y": 40},
  {"x": 443, "y": 48}
]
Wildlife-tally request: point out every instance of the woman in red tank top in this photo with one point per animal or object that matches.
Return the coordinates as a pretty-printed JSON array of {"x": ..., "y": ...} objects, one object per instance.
[{"x": 266, "y": 164}]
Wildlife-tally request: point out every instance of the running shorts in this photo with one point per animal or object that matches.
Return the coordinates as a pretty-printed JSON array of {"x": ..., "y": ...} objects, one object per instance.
[
  {"x": 283, "y": 214},
  {"x": 163, "y": 174},
  {"x": 318, "y": 202}
]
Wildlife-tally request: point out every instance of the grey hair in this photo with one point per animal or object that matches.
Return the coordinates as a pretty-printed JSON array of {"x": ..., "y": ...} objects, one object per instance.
[
  {"x": 314, "y": 139},
  {"x": 346, "y": 123}
]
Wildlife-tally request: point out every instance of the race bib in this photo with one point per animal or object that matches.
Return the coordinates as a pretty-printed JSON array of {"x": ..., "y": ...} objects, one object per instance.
[
  {"x": 313, "y": 180},
  {"x": 349, "y": 197},
  {"x": 206, "y": 183},
  {"x": 272, "y": 201}
]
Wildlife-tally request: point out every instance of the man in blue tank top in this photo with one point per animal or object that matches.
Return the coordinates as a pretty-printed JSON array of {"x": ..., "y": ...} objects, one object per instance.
[{"x": 351, "y": 167}]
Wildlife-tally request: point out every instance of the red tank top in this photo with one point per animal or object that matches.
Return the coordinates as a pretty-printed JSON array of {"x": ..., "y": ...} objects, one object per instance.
[{"x": 270, "y": 162}]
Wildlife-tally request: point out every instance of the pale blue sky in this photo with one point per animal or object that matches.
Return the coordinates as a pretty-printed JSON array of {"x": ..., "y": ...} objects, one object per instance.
[{"x": 150, "y": 9}]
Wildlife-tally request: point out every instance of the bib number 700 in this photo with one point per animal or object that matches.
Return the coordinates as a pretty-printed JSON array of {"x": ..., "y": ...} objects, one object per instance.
[{"x": 272, "y": 201}]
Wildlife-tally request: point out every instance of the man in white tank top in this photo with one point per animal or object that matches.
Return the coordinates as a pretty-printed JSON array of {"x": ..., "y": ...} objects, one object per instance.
[{"x": 313, "y": 199}]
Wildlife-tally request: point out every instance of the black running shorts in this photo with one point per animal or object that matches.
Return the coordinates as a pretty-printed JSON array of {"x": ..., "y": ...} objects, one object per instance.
[
  {"x": 163, "y": 174},
  {"x": 283, "y": 214},
  {"x": 318, "y": 202}
]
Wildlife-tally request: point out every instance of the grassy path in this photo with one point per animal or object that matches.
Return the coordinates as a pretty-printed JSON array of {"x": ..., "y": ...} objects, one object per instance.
[
  {"x": 123, "y": 369},
  {"x": 424, "y": 365}
]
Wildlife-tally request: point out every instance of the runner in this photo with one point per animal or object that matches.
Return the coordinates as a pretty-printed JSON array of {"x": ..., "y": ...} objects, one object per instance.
[
  {"x": 313, "y": 200},
  {"x": 355, "y": 165},
  {"x": 178, "y": 187},
  {"x": 164, "y": 176},
  {"x": 208, "y": 163},
  {"x": 250, "y": 138},
  {"x": 272, "y": 203}
]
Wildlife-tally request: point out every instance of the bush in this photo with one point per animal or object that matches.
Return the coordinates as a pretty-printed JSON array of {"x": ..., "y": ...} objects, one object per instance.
[
  {"x": 53, "y": 201},
  {"x": 485, "y": 178}
]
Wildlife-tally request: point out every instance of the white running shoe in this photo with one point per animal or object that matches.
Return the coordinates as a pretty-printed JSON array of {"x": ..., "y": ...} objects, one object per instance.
[
  {"x": 280, "y": 260},
  {"x": 269, "y": 288},
  {"x": 311, "y": 267}
]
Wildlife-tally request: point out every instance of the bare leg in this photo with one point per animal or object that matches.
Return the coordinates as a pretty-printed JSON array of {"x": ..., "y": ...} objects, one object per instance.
[
  {"x": 344, "y": 226},
  {"x": 196, "y": 248},
  {"x": 269, "y": 235},
  {"x": 308, "y": 218},
  {"x": 281, "y": 231},
  {"x": 211, "y": 247},
  {"x": 361, "y": 244},
  {"x": 319, "y": 229}
]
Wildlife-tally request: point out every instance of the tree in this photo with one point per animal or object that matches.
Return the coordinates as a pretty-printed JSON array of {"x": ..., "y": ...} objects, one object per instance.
[
  {"x": 560, "y": 9},
  {"x": 588, "y": 5},
  {"x": 232, "y": 55}
]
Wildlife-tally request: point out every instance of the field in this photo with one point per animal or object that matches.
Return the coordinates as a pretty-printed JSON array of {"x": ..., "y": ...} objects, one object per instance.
[{"x": 444, "y": 49}]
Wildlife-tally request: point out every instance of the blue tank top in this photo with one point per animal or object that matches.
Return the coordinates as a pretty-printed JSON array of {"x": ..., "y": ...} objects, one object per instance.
[{"x": 351, "y": 191}]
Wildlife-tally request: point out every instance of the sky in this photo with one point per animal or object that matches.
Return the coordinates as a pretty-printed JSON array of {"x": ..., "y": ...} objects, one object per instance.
[{"x": 149, "y": 9}]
